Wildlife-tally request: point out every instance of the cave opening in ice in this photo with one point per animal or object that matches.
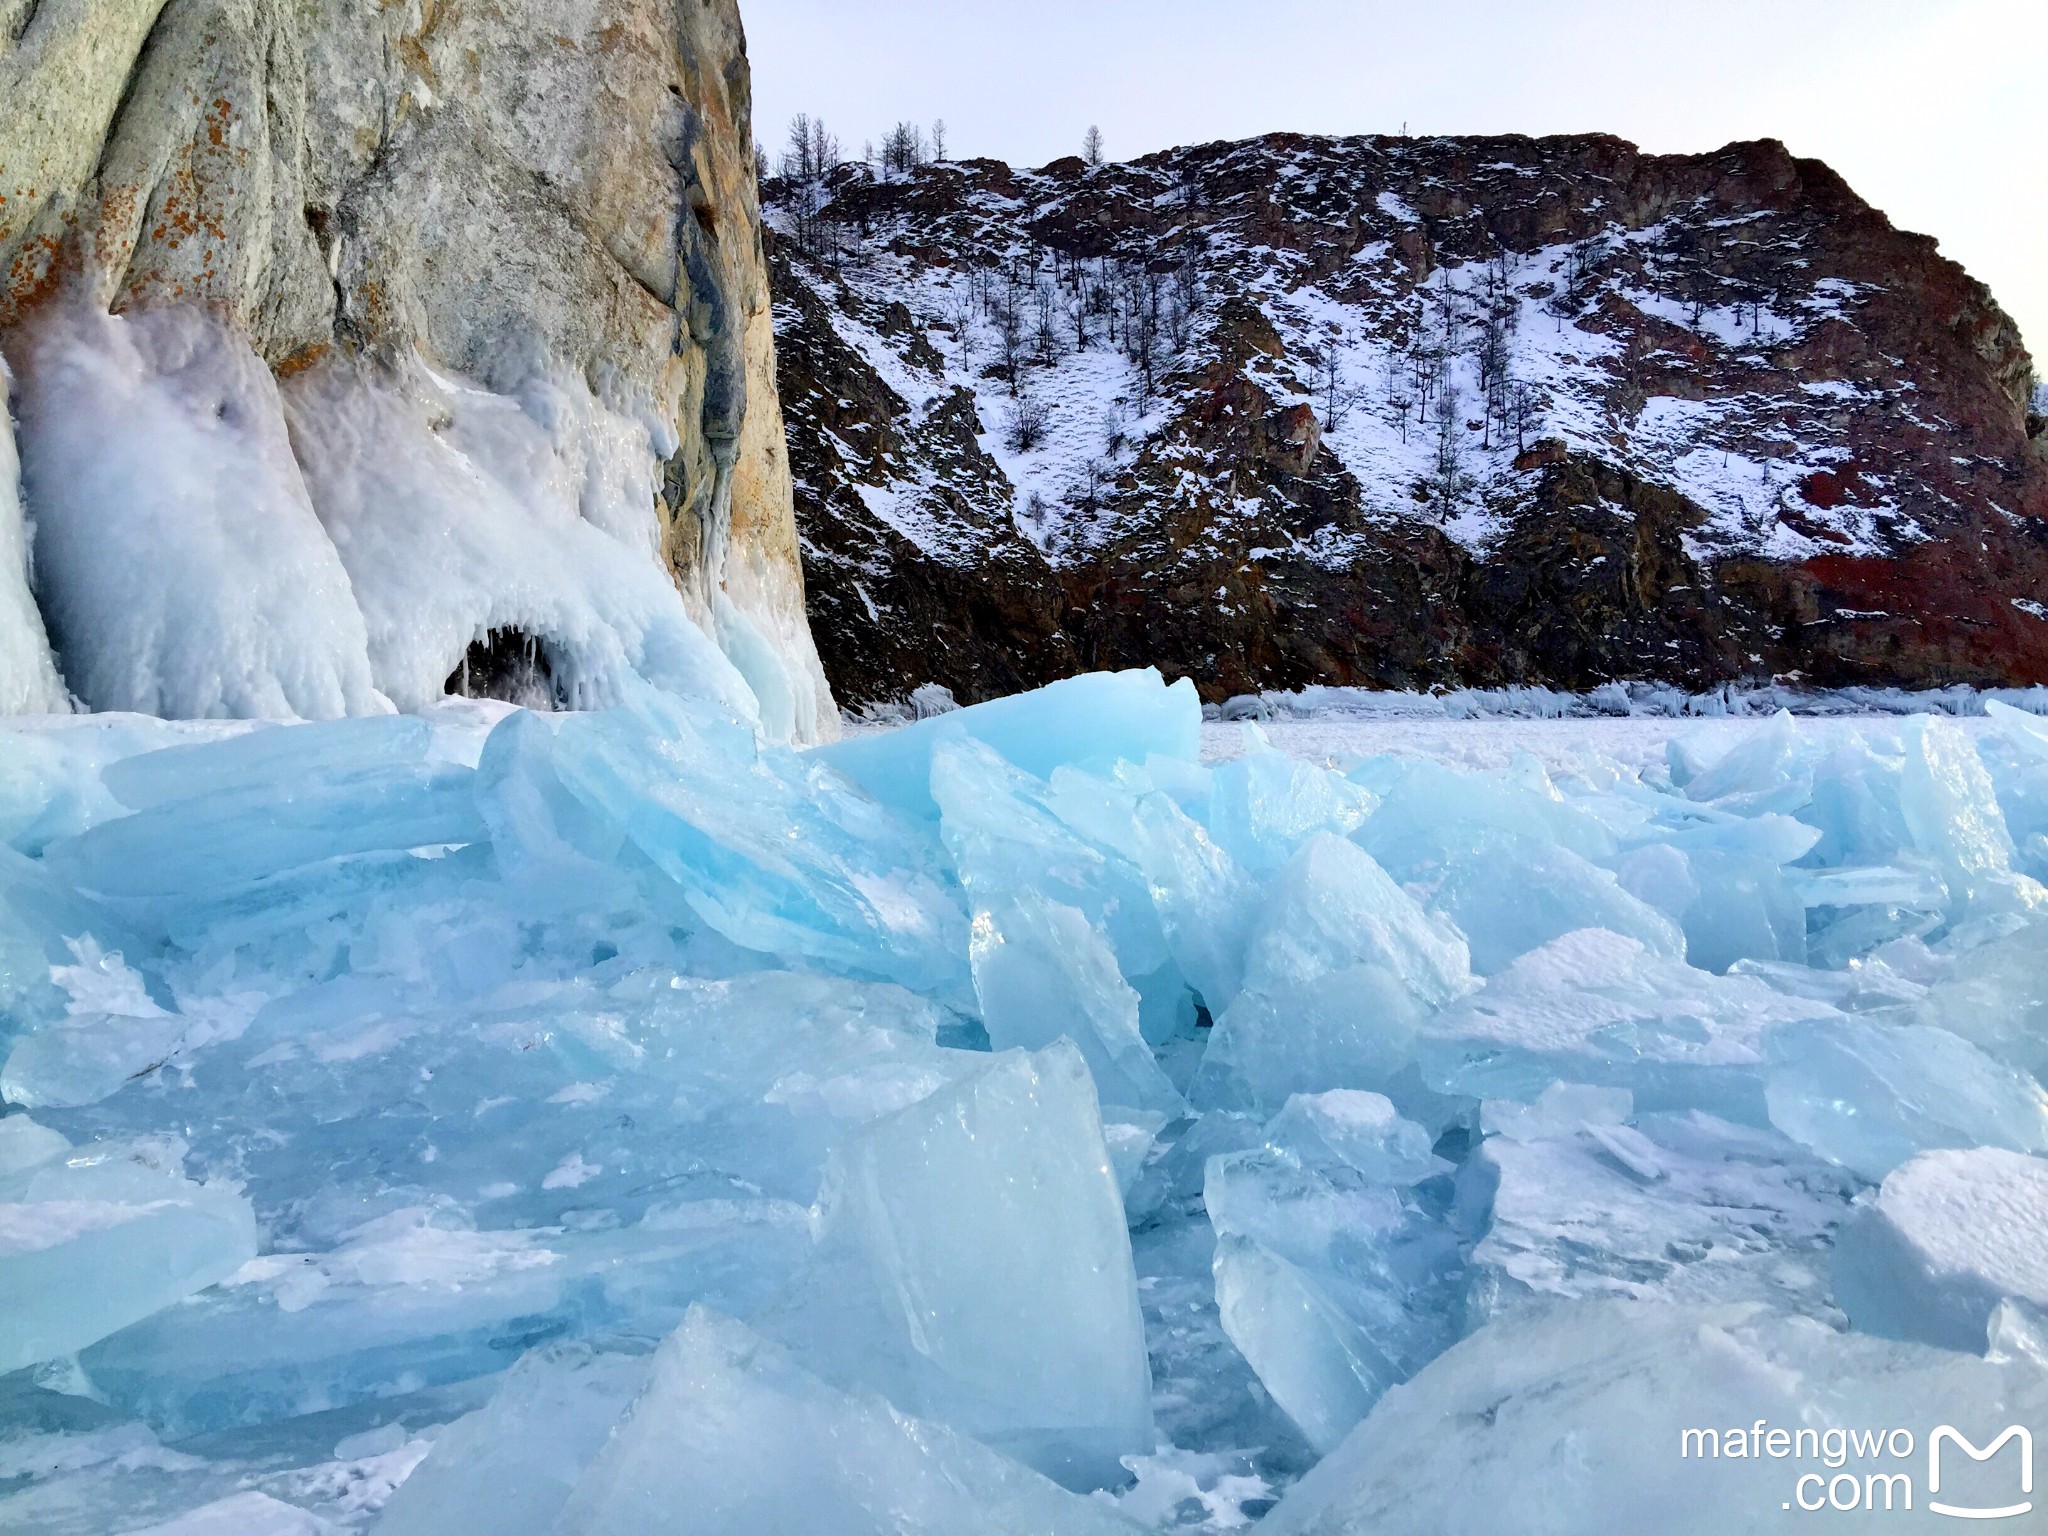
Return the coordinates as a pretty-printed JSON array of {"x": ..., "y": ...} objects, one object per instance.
[{"x": 509, "y": 665}]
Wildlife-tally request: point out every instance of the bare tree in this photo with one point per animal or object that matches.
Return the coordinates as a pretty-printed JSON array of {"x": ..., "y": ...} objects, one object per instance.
[
  {"x": 1092, "y": 476},
  {"x": 1524, "y": 407},
  {"x": 1029, "y": 421},
  {"x": 1045, "y": 339},
  {"x": 1009, "y": 320},
  {"x": 1448, "y": 481},
  {"x": 1333, "y": 385},
  {"x": 904, "y": 149},
  {"x": 939, "y": 139},
  {"x": 1091, "y": 147},
  {"x": 1115, "y": 428},
  {"x": 809, "y": 163}
]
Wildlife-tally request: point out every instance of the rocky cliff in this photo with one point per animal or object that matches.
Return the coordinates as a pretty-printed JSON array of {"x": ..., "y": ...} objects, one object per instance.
[
  {"x": 501, "y": 262},
  {"x": 1401, "y": 413}
]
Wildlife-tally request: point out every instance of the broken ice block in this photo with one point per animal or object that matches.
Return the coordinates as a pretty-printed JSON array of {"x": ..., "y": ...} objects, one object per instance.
[
  {"x": 1575, "y": 1201},
  {"x": 1202, "y": 899},
  {"x": 1340, "y": 968},
  {"x": 1996, "y": 997},
  {"x": 1950, "y": 1235},
  {"x": 1430, "y": 812},
  {"x": 1317, "y": 1363},
  {"x": 1333, "y": 1281},
  {"x": 41, "y": 919},
  {"x": 1598, "y": 1008},
  {"x": 730, "y": 1437},
  {"x": 508, "y": 1468},
  {"x": 254, "y": 760},
  {"x": 1512, "y": 894},
  {"x": 1577, "y": 1421},
  {"x": 1265, "y": 805},
  {"x": 1870, "y": 1096},
  {"x": 1002, "y": 832},
  {"x": 224, "y": 841},
  {"x": 976, "y": 1269},
  {"x": 243, "y": 1514},
  {"x": 1770, "y": 769},
  {"x": 1361, "y": 1131},
  {"x": 95, "y": 1239},
  {"x": 1951, "y": 813},
  {"x": 769, "y": 847},
  {"x": 1090, "y": 722},
  {"x": 87, "y": 1057},
  {"x": 1042, "y": 971}
]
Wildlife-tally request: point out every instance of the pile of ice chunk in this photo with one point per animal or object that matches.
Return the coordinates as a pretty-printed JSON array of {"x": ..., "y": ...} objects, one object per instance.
[{"x": 1012, "y": 1121}]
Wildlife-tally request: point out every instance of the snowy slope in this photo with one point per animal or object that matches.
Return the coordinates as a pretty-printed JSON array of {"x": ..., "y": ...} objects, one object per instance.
[{"x": 1320, "y": 410}]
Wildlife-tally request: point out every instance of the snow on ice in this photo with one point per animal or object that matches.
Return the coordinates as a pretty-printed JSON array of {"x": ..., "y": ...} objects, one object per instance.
[{"x": 1058, "y": 1116}]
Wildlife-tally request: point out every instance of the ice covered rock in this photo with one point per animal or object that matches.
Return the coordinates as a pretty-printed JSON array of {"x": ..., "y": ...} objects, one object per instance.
[
  {"x": 1576, "y": 1421},
  {"x": 450, "y": 254},
  {"x": 1090, "y": 722},
  {"x": 460, "y": 513},
  {"x": 1042, "y": 972},
  {"x": 1335, "y": 1276},
  {"x": 181, "y": 567},
  {"x": 94, "y": 1239},
  {"x": 1341, "y": 967},
  {"x": 509, "y": 1467},
  {"x": 975, "y": 1269},
  {"x": 1950, "y": 1235},
  {"x": 1577, "y": 1197},
  {"x": 29, "y": 684},
  {"x": 733, "y": 1438},
  {"x": 1598, "y": 1008},
  {"x": 1870, "y": 1096}
]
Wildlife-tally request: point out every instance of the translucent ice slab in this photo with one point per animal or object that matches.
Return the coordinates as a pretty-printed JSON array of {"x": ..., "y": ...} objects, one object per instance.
[
  {"x": 732, "y": 1438},
  {"x": 95, "y": 1239}
]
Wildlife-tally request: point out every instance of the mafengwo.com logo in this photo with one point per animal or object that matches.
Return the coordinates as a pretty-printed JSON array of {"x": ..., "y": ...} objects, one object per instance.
[{"x": 1871, "y": 1471}]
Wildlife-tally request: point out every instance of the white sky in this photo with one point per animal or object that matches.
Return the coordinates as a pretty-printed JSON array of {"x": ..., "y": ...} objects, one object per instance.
[{"x": 1935, "y": 110}]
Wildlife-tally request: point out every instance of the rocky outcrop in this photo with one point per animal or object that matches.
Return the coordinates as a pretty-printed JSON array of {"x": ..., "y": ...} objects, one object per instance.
[
  {"x": 1404, "y": 413},
  {"x": 499, "y": 191}
]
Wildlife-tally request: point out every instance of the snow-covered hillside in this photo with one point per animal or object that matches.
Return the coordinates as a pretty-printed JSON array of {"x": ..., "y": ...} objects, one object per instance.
[{"x": 1394, "y": 411}]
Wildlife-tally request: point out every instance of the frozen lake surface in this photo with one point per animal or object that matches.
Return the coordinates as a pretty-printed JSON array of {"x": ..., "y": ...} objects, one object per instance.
[{"x": 1070, "y": 1115}]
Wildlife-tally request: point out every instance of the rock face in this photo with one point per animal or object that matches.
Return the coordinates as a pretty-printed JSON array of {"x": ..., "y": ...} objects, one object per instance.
[
  {"x": 498, "y": 191},
  {"x": 1402, "y": 413}
]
